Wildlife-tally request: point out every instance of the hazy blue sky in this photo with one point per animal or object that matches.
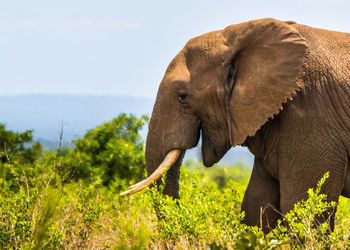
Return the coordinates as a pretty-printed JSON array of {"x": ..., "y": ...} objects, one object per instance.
[{"x": 123, "y": 47}]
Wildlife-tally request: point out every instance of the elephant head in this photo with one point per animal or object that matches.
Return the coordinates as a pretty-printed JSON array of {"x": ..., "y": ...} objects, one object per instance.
[{"x": 225, "y": 85}]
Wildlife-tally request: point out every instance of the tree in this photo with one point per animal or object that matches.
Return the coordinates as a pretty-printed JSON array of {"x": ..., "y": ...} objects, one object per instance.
[
  {"x": 113, "y": 151},
  {"x": 18, "y": 146},
  {"x": 18, "y": 153}
]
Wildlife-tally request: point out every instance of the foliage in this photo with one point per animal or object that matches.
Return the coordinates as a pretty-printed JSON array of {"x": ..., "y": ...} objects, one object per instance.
[
  {"x": 43, "y": 207},
  {"x": 304, "y": 225},
  {"x": 204, "y": 211},
  {"x": 15, "y": 221},
  {"x": 221, "y": 175},
  {"x": 18, "y": 149},
  {"x": 112, "y": 153},
  {"x": 18, "y": 146}
]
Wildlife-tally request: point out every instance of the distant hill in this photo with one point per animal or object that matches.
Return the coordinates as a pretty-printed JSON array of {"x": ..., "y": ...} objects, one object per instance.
[{"x": 44, "y": 113}]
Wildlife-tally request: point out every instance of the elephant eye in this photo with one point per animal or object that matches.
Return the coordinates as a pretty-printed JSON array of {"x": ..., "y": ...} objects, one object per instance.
[{"x": 182, "y": 97}]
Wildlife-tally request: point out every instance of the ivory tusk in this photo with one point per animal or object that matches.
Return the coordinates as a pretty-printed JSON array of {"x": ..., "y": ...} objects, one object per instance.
[{"x": 168, "y": 161}]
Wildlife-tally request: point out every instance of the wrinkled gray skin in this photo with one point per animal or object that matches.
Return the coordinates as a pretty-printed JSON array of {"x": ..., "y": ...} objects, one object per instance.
[{"x": 279, "y": 88}]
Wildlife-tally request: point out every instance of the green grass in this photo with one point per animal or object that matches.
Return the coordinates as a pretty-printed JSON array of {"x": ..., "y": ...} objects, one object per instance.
[
  {"x": 68, "y": 199},
  {"x": 80, "y": 215}
]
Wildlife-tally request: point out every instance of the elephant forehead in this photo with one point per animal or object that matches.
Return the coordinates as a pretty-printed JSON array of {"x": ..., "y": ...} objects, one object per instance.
[
  {"x": 199, "y": 53},
  {"x": 205, "y": 42},
  {"x": 177, "y": 70},
  {"x": 205, "y": 49}
]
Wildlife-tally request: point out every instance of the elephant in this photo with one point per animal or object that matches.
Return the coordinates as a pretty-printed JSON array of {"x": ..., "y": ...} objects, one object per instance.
[{"x": 281, "y": 89}]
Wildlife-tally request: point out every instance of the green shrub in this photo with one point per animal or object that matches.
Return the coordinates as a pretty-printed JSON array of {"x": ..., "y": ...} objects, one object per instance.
[
  {"x": 15, "y": 221},
  {"x": 68, "y": 199},
  {"x": 18, "y": 154},
  {"x": 18, "y": 147},
  {"x": 204, "y": 212},
  {"x": 112, "y": 152},
  {"x": 304, "y": 227},
  {"x": 221, "y": 175},
  {"x": 300, "y": 228}
]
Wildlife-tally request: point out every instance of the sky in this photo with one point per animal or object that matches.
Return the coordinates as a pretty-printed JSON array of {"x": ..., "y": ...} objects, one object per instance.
[{"x": 122, "y": 48}]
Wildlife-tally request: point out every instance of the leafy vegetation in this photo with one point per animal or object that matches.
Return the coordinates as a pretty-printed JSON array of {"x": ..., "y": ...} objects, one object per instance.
[
  {"x": 69, "y": 199},
  {"x": 112, "y": 154}
]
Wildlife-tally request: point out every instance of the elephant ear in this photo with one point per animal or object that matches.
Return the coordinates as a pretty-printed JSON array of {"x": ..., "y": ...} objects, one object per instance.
[{"x": 267, "y": 58}]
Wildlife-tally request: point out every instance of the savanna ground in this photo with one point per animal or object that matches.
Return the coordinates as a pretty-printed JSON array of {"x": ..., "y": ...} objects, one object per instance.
[{"x": 68, "y": 199}]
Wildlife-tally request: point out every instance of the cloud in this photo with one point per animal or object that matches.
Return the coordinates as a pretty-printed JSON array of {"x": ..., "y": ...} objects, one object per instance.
[
  {"x": 116, "y": 26},
  {"x": 2, "y": 24},
  {"x": 3, "y": 40},
  {"x": 29, "y": 24},
  {"x": 76, "y": 28},
  {"x": 88, "y": 26}
]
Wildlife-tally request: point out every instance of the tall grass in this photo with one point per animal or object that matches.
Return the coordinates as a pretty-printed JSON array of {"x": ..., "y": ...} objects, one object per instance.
[{"x": 92, "y": 216}]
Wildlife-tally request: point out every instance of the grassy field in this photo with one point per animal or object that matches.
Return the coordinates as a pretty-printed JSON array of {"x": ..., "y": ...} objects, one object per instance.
[
  {"x": 68, "y": 199},
  {"x": 207, "y": 216}
]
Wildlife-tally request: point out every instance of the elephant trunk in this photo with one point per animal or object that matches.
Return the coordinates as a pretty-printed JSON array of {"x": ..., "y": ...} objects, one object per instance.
[
  {"x": 164, "y": 153},
  {"x": 171, "y": 131}
]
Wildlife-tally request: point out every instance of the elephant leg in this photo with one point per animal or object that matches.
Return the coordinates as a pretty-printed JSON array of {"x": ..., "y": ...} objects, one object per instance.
[
  {"x": 328, "y": 216},
  {"x": 346, "y": 189},
  {"x": 261, "y": 199},
  {"x": 295, "y": 181}
]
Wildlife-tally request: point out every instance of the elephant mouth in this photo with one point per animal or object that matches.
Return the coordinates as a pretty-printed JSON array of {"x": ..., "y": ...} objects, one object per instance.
[
  {"x": 209, "y": 153},
  {"x": 212, "y": 149}
]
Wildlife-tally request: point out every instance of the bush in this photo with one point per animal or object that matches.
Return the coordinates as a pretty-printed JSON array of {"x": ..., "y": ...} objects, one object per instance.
[
  {"x": 19, "y": 150},
  {"x": 41, "y": 206},
  {"x": 18, "y": 146},
  {"x": 221, "y": 175},
  {"x": 15, "y": 221},
  {"x": 112, "y": 153},
  {"x": 203, "y": 214}
]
